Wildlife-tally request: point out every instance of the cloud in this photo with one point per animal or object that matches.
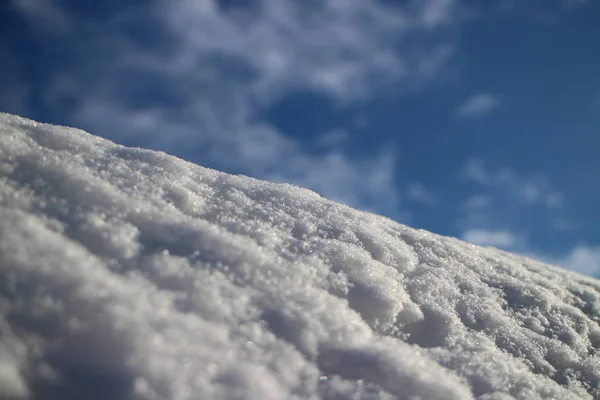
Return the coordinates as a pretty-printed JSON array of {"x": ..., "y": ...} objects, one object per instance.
[
  {"x": 478, "y": 105},
  {"x": 477, "y": 202},
  {"x": 42, "y": 14},
  {"x": 333, "y": 138},
  {"x": 527, "y": 190},
  {"x": 199, "y": 88},
  {"x": 520, "y": 203},
  {"x": 259, "y": 150},
  {"x": 347, "y": 50},
  {"x": 564, "y": 224},
  {"x": 474, "y": 171},
  {"x": 420, "y": 194},
  {"x": 368, "y": 183},
  {"x": 484, "y": 237},
  {"x": 438, "y": 12},
  {"x": 583, "y": 258}
]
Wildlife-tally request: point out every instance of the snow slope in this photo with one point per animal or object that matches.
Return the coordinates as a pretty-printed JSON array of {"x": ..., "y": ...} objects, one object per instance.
[{"x": 131, "y": 274}]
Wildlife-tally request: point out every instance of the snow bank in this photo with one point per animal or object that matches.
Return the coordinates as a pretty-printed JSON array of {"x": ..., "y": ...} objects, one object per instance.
[{"x": 131, "y": 274}]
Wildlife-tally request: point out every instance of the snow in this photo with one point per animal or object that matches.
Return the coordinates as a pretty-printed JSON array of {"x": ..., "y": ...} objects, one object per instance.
[{"x": 130, "y": 274}]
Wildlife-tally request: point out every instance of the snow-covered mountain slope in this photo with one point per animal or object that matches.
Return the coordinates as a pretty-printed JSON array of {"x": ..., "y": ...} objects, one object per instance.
[{"x": 131, "y": 274}]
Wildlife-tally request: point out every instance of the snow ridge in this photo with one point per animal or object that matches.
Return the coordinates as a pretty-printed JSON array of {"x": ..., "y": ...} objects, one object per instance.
[{"x": 130, "y": 274}]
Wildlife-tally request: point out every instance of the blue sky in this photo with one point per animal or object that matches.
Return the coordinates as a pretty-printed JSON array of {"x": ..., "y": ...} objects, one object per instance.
[{"x": 475, "y": 119}]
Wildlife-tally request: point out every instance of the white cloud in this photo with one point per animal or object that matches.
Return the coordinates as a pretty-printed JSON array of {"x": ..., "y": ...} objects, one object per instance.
[
  {"x": 42, "y": 14},
  {"x": 474, "y": 171},
  {"x": 420, "y": 194},
  {"x": 336, "y": 177},
  {"x": 520, "y": 201},
  {"x": 477, "y": 202},
  {"x": 554, "y": 200},
  {"x": 333, "y": 138},
  {"x": 529, "y": 190},
  {"x": 222, "y": 68},
  {"x": 564, "y": 224},
  {"x": 514, "y": 195},
  {"x": 478, "y": 105},
  {"x": 347, "y": 50},
  {"x": 258, "y": 150},
  {"x": 438, "y": 12},
  {"x": 496, "y": 238},
  {"x": 582, "y": 258}
]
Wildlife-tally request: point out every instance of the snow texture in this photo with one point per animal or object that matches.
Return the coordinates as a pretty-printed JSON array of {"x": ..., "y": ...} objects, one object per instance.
[{"x": 130, "y": 274}]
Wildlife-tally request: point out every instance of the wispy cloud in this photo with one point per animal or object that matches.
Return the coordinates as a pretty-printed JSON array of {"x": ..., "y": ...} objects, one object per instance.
[
  {"x": 478, "y": 105},
  {"x": 42, "y": 14},
  {"x": 420, "y": 194},
  {"x": 506, "y": 204},
  {"x": 501, "y": 239},
  {"x": 583, "y": 258},
  {"x": 438, "y": 12},
  {"x": 475, "y": 171},
  {"x": 503, "y": 210},
  {"x": 199, "y": 88},
  {"x": 333, "y": 139},
  {"x": 347, "y": 50},
  {"x": 477, "y": 202},
  {"x": 564, "y": 224},
  {"x": 528, "y": 190}
]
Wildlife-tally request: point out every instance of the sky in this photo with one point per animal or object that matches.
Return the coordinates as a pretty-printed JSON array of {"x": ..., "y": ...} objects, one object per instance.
[{"x": 474, "y": 119}]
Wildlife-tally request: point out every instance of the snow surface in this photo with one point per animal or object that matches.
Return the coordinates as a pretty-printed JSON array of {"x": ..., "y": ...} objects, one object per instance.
[{"x": 130, "y": 274}]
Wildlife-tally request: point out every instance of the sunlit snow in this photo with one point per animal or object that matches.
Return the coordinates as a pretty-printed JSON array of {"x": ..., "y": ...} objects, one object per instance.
[{"x": 131, "y": 274}]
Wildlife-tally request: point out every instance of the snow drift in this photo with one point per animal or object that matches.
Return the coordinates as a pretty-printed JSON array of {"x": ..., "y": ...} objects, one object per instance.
[{"x": 130, "y": 274}]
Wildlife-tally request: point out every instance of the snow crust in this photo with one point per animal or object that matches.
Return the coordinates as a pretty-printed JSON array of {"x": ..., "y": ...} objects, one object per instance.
[{"x": 130, "y": 274}]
